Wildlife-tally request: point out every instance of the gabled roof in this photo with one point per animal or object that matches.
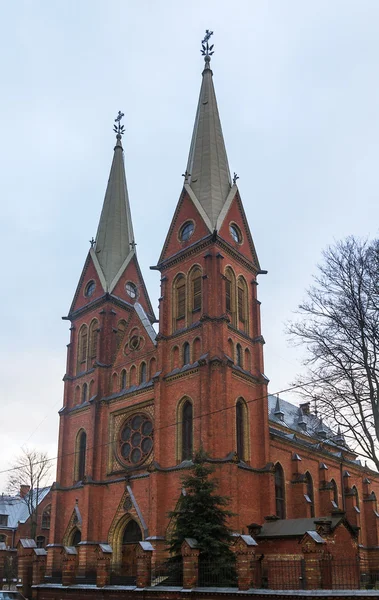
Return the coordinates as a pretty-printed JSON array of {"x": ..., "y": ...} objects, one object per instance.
[
  {"x": 115, "y": 238},
  {"x": 294, "y": 527},
  {"x": 16, "y": 508},
  {"x": 208, "y": 173}
]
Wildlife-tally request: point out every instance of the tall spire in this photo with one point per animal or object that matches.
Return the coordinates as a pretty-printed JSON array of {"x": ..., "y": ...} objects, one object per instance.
[
  {"x": 115, "y": 238},
  {"x": 207, "y": 168}
]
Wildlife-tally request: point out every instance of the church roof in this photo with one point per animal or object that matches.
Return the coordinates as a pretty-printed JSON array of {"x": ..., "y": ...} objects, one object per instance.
[
  {"x": 16, "y": 508},
  {"x": 208, "y": 173},
  {"x": 115, "y": 237}
]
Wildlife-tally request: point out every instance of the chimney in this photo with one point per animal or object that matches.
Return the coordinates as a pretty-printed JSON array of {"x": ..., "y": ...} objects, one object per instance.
[
  {"x": 24, "y": 489},
  {"x": 305, "y": 406}
]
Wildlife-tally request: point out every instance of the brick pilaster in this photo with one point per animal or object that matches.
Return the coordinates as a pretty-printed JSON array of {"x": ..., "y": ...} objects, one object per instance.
[
  {"x": 144, "y": 556},
  {"x": 190, "y": 556}
]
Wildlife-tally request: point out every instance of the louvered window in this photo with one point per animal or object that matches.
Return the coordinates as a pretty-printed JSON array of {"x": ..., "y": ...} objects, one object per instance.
[
  {"x": 241, "y": 305},
  {"x": 82, "y": 455},
  {"x": 181, "y": 301},
  {"x": 196, "y": 290},
  {"x": 83, "y": 347},
  {"x": 228, "y": 295},
  {"x": 94, "y": 339}
]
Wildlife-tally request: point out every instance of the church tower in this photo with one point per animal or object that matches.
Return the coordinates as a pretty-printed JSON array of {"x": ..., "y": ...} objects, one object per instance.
[
  {"x": 139, "y": 402},
  {"x": 210, "y": 344}
]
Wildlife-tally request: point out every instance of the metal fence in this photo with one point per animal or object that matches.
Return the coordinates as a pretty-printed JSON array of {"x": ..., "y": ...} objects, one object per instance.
[
  {"x": 214, "y": 574},
  {"x": 168, "y": 573},
  {"x": 281, "y": 575}
]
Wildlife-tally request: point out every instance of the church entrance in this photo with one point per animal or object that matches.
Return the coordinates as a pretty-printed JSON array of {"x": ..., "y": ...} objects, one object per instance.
[
  {"x": 127, "y": 570},
  {"x": 132, "y": 535}
]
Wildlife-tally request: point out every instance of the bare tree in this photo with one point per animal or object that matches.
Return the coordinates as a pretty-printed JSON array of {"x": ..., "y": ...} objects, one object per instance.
[
  {"x": 31, "y": 469},
  {"x": 339, "y": 326}
]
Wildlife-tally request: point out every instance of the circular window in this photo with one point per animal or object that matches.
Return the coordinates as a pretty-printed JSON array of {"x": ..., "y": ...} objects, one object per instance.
[
  {"x": 131, "y": 289},
  {"x": 134, "y": 342},
  {"x": 235, "y": 233},
  {"x": 90, "y": 288},
  {"x": 186, "y": 231},
  {"x": 136, "y": 439}
]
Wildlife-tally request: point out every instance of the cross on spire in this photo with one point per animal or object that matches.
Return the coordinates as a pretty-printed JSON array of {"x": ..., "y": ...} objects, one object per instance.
[
  {"x": 207, "y": 50},
  {"x": 119, "y": 129}
]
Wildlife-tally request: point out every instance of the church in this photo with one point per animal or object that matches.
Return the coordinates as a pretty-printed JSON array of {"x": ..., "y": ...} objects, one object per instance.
[{"x": 143, "y": 392}]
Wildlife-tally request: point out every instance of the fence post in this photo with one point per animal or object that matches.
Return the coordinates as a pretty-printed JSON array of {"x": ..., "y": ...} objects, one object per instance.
[
  {"x": 25, "y": 551},
  {"x": 39, "y": 566},
  {"x": 69, "y": 565},
  {"x": 190, "y": 555},
  {"x": 144, "y": 555},
  {"x": 312, "y": 548},
  {"x": 103, "y": 565},
  {"x": 244, "y": 549}
]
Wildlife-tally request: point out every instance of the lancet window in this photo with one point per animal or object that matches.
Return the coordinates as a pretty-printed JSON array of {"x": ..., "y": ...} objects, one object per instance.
[
  {"x": 80, "y": 452},
  {"x": 187, "y": 431},
  {"x": 241, "y": 430},
  {"x": 82, "y": 349},
  {"x": 279, "y": 492},
  {"x": 93, "y": 339},
  {"x": 310, "y": 494}
]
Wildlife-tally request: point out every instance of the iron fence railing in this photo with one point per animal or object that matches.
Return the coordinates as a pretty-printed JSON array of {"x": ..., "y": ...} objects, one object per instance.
[
  {"x": 216, "y": 574},
  {"x": 168, "y": 573},
  {"x": 281, "y": 575}
]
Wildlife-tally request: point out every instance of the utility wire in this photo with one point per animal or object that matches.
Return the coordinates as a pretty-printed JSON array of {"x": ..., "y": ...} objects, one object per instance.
[{"x": 176, "y": 423}]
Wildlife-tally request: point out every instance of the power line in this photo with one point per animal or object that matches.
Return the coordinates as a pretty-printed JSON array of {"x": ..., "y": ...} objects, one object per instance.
[{"x": 176, "y": 423}]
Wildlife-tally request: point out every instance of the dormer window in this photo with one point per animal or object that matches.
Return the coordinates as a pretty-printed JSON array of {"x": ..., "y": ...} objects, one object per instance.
[
  {"x": 90, "y": 288},
  {"x": 235, "y": 233},
  {"x": 186, "y": 231}
]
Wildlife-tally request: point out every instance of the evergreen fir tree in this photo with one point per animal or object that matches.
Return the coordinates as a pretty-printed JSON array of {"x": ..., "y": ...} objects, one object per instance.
[{"x": 202, "y": 514}]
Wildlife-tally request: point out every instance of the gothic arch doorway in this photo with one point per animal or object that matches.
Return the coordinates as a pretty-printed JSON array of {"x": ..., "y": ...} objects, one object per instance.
[
  {"x": 124, "y": 539},
  {"x": 131, "y": 536}
]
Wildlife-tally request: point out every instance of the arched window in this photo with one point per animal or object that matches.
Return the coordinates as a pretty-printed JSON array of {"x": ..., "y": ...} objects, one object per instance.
[
  {"x": 133, "y": 375},
  {"x": 335, "y": 492},
  {"x": 196, "y": 349},
  {"x": 230, "y": 295},
  {"x": 114, "y": 382},
  {"x": 186, "y": 353},
  {"x": 152, "y": 367},
  {"x": 309, "y": 494},
  {"x": 82, "y": 349},
  {"x": 175, "y": 357},
  {"x": 179, "y": 302},
  {"x": 231, "y": 349},
  {"x": 40, "y": 541},
  {"x": 121, "y": 326},
  {"x": 242, "y": 304},
  {"x": 239, "y": 355},
  {"x": 240, "y": 429},
  {"x": 247, "y": 362},
  {"x": 46, "y": 517},
  {"x": 132, "y": 533},
  {"x": 77, "y": 394},
  {"x": 81, "y": 455},
  {"x": 356, "y": 495},
  {"x": 187, "y": 431},
  {"x": 93, "y": 339},
  {"x": 143, "y": 373},
  {"x": 195, "y": 282},
  {"x": 123, "y": 379},
  {"x": 84, "y": 393},
  {"x": 280, "y": 492},
  {"x": 76, "y": 537}
]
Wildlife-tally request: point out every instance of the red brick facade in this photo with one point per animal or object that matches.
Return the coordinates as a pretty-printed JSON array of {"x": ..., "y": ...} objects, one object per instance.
[{"x": 207, "y": 358}]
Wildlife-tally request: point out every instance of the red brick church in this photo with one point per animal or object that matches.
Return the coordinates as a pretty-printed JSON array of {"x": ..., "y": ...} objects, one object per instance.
[{"x": 141, "y": 394}]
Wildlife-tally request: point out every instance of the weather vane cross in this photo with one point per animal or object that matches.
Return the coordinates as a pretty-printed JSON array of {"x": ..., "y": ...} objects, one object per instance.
[
  {"x": 207, "y": 50},
  {"x": 119, "y": 129}
]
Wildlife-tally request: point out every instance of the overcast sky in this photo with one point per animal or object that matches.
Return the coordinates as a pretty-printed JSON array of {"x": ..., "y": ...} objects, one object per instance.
[{"x": 297, "y": 85}]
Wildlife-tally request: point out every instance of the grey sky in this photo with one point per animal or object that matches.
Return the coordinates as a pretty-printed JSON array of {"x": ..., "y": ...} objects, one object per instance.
[{"x": 298, "y": 94}]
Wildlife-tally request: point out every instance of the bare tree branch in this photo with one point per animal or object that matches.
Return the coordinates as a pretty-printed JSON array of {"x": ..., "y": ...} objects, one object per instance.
[
  {"x": 29, "y": 476},
  {"x": 339, "y": 326}
]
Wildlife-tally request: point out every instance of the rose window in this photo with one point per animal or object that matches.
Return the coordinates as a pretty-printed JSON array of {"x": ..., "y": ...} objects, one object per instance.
[{"x": 136, "y": 439}]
